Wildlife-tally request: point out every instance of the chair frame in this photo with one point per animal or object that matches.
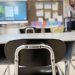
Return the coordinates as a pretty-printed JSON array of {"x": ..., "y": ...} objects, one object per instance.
[
  {"x": 29, "y": 29},
  {"x": 34, "y": 46}
]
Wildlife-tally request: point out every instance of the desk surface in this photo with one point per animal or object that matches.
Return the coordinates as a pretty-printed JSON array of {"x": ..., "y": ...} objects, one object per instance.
[{"x": 66, "y": 36}]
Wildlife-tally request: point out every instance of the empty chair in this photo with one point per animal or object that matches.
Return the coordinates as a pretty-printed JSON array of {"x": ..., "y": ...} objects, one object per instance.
[
  {"x": 29, "y": 30},
  {"x": 32, "y": 56}
]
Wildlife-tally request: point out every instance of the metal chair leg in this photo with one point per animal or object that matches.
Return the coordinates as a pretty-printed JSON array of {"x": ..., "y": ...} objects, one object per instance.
[
  {"x": 67, "y": 67},
  {"x": 9, "y": 70}
]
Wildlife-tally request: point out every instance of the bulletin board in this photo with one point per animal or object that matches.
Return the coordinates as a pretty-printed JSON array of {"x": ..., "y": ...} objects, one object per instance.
[{"x": 44, "y": 9}]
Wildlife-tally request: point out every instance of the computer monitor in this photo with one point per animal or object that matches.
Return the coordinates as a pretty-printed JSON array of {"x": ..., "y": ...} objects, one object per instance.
[{"x": 13, "y": 11}]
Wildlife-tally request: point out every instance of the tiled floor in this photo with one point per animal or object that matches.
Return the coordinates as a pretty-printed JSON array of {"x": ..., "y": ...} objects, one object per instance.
[
  {"x": 5, "y": 71},
  {"x": 72, "y": 69}
]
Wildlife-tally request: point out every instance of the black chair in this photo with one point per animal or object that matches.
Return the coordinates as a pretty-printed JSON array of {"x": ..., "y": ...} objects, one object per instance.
[
  {"x": 29, "y": 30},
  {"x": 34, "y": 55}
]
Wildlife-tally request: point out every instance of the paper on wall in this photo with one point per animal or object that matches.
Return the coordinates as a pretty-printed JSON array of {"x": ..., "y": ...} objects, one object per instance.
[
  {"x": 60, "y": 18},
  {"x": 55, "y": 6},
  {"x": 39, "y": 5},
  {"x": 39, "y": 13},
  {"x": 55, "y": 15},
  {"x": 47, "y": 14},
  {"x": 40, "y": 19},
  {"x": 47, "y": 6}
]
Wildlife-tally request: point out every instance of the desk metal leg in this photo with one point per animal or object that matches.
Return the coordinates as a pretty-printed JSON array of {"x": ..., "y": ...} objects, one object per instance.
[
  {"x": 68, "y": 57},
  {"x": 9, "y": 70},
  {"x": 67, "y": 67}
]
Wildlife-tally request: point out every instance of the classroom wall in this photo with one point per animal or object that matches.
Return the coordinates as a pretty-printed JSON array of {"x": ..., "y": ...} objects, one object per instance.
[
  {"x": 13, "y": 28},
  {"x": 32, "y": 9}
]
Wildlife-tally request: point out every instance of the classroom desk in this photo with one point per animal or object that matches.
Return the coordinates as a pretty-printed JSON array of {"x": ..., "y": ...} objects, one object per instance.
[{"x": 67, "y": 37}]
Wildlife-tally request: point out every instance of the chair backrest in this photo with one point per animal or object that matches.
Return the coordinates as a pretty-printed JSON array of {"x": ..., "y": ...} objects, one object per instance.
[
  {"x": 29, "y": 30},
  {"x": 35, "y": 57}
]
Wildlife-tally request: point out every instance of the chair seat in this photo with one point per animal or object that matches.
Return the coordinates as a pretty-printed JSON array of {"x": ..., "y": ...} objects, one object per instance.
[{"x": 43, "y": 70}]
